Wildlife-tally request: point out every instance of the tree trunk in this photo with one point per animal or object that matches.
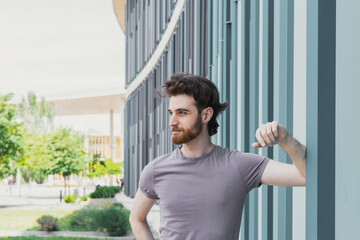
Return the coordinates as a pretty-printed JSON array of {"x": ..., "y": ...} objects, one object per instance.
[
  {"x": 69, "y": 184},
  {"x": 65, "y": 185},
  {"x": 30, "y": 176}
]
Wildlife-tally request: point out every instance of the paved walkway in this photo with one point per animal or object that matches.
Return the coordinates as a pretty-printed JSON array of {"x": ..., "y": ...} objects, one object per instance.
[
  {"x": 45, "y": 197},
  {"x": 98, "y": 235}
]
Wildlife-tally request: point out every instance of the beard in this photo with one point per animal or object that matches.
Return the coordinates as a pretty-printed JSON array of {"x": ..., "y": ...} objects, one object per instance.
[{"x": 188, "y": 134}]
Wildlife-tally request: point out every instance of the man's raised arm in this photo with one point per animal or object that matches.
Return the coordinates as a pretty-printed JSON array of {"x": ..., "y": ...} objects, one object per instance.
[{"x": 282, "y": 174}]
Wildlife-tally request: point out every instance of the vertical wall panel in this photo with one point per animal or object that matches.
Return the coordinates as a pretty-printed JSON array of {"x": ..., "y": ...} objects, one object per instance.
[
  {"x": 226, "y": 69},
  {"x": 216, "y": 47},
  {"x": 233, "y": 78},
  {"x": 285, "y": 92},
  {"x": 145, "y": 24},
  {"x": 147, "y": 133},
  {"x": 253, "y": 107},
  {"x": 299, "y": 112},
  {"x": 347, "y": 197},
  {"x": 320, "y": 123},
  {"x": 347, "y": 86},
  {"x": 238, "y": 65},
  {"x": 219, "y": 39},
  {"x": 245, "y": 12},
  {"x": 267, "y": 109}
]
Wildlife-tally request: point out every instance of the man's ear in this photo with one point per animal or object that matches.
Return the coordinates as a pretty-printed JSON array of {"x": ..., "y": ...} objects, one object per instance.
[{"x": 207, "y": 114}]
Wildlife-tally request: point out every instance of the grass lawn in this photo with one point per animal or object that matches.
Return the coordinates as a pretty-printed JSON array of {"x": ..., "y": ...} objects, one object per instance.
[{"x": 25, "y": 219}]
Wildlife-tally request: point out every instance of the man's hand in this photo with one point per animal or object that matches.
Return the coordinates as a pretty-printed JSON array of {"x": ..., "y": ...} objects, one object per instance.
[
  {"x": 277, "y": 173},
  {"x": 270, "y": 134}
]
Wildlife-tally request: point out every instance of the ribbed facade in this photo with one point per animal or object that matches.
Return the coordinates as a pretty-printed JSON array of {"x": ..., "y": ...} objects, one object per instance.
[
  {"x": 147, "y": 132},
  {"x": 272, "y": 60}
]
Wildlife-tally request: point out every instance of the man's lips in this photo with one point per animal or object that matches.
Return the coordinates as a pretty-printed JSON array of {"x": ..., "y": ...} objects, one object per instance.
[{"x": 175, "y": 131}]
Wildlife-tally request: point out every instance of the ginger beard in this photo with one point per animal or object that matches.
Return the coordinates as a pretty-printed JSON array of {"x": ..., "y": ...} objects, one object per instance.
[{"x": 189, "y": 134}]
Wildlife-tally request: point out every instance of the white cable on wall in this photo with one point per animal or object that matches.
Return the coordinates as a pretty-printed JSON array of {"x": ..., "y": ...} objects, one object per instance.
[{"x": 158, "y": 51}]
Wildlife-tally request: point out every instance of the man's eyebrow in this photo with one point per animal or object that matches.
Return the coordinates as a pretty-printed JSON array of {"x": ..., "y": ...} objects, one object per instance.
[{"x": 180, "y": 110}]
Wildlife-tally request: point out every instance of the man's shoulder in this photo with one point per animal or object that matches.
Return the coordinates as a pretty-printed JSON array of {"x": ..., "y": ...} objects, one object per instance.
[
  {"x": 233, "y": 155},
  {"x": 163, "y": 158},
  {"x": 226, "y": 151}
]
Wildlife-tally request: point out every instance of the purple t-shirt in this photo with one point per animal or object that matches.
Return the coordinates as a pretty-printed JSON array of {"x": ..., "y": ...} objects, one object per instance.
[{"x": 202, "y": 198}]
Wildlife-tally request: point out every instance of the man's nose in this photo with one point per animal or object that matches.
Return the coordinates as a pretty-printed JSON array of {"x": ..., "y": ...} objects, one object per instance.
[{"x": 173, "y": 120}]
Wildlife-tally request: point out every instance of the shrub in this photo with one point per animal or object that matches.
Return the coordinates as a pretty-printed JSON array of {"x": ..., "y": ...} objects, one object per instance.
[
  {"x": 47, "y": 222},
  {"x": 113, "y": 220},
  {"x": 116, "y": 221},
  {"x": 70, "y": 198},
  {"x": 105, "y": 192},
  {"x": 84, "y": 198}
]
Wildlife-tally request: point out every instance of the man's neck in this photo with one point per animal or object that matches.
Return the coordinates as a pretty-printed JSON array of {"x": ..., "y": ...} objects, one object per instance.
[{"x": 196, "y": 148}]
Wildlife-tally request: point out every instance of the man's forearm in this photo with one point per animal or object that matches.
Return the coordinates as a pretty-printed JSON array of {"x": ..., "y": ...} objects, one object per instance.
[
  {"x": 296, "y": 151},
  {"x": 141, "y": 230}
]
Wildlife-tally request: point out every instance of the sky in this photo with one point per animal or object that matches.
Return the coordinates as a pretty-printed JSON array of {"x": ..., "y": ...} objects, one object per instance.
[
  {"x": 62, "y": 49},
  {"x": 58, "y": 49}
]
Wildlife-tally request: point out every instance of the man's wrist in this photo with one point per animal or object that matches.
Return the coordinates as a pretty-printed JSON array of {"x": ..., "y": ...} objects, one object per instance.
[{"x": 285, "y": 139}]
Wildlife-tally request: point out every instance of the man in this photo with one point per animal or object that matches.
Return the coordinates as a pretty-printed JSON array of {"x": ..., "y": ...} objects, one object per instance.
[{"x": 202, "y": 187}]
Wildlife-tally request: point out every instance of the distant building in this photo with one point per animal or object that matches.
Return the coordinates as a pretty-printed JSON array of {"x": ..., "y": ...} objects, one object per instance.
[{"x": 100, "y": 145}]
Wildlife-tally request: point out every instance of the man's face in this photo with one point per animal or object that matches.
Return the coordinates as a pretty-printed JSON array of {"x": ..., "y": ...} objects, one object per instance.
[{"x": 185, "y": 121}]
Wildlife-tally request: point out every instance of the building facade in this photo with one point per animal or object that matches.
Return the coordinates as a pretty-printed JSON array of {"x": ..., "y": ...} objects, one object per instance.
[
  {"x": 101, "y": 146},
  {"x": 291, "y": 61}
]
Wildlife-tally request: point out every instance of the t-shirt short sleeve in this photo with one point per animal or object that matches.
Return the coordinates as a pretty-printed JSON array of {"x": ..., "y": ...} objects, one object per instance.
[
  {"x": 146, "y": 182},
  {"x": 251, "y": 167}
]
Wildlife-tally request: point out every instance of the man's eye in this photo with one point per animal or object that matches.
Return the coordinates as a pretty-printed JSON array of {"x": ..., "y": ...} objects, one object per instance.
[{"x": 182, "y": 113}]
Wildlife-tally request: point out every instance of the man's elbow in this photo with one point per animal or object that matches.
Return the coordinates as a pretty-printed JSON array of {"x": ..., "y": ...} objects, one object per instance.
[
  {"x": 135, "y": 220},
  {"x": 303, "y": 181},
  {"x": 132, "y": 219}
]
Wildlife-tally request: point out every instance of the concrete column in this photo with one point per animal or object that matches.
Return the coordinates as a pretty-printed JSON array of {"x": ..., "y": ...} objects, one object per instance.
[
  {"x": 111, "y": 142},
  {"x": 122, "y": 132}
]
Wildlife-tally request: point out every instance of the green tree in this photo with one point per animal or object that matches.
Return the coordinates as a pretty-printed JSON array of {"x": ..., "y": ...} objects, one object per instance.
[
  {"x": 100, "y": 168},
  {"x": 37, "y": 160},
  {"x": 11, "y": 134},
  {"x": 37, "y": 116},
  {"x": 38, "y": 120},
  {"x": 68, "y": 153}
]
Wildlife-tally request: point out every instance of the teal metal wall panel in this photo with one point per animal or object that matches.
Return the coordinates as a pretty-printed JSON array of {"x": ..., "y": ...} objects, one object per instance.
[
  {"x": 197, "y": 32},
  {"x": 347, "y": 197},
  {"x": 209, "y": 36},
  {"x": 228, "y": 46},
  {"x": 312, "y": 121},
  {"x": 233, "y": 77},
  {"x": 245, "y": 16},
  {"x": 276, "y": 109},
  {"x": 147, "y": 132},
  {"x": 267, "y": 109},
  {"x": 145, "y": 21},
  {"x": 214, "y": 48},
  {"x": 226, "y": 68},
  {"x": 220, "y": 71},
  {"x": 285, "y": 105},
  {"x": 320, "y": 136},
  {"x": 253, "y": 107},
  {"x": 181, "y": 43}
]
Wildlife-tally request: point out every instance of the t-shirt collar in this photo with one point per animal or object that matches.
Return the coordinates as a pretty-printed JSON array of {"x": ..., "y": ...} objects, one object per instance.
[{"x": 178, "y": 153}]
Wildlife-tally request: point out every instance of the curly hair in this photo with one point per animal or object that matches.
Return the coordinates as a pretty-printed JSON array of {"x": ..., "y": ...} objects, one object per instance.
[{"x": 204, "y": 92}]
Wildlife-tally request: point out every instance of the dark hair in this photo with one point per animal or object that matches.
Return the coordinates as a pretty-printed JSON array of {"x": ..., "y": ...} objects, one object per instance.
[{"x": 204, "y": 92}]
